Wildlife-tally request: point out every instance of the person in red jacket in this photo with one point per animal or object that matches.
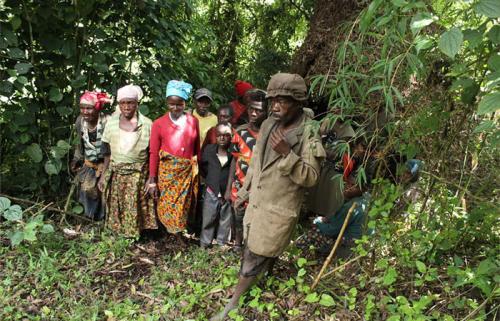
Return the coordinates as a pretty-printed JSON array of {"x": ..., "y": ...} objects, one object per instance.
[
  {"x": 173, "y": 162},
  {"x": 238, "y": 105}
]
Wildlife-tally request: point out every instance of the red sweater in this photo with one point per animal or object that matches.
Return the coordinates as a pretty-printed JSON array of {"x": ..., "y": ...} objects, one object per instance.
[{"x": 167, "y": 136}]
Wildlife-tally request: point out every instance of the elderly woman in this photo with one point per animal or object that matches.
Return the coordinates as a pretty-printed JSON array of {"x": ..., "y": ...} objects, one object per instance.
[
  {"x": 89, "y": 154},
  {"x": 174, "y": 151},
  {"x": 127, "y": 133}
]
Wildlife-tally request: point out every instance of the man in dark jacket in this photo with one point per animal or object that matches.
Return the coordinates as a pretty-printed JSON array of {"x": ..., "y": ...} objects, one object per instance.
[{"x": 215, "y": 164}]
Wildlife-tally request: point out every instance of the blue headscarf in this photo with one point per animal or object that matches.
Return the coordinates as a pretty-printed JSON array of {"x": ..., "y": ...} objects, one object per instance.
[{"x": 179, "y": 88}]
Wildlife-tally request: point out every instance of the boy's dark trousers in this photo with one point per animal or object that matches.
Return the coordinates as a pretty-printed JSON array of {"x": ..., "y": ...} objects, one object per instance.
[{"x": 216, "y": 214}]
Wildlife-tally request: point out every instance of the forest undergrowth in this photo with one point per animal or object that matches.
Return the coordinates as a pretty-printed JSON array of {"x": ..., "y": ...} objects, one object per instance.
[{"x": 402, "y": 273}]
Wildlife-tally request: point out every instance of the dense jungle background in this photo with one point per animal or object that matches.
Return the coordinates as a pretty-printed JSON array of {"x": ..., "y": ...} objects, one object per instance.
[{"x": 416, "y": 79}]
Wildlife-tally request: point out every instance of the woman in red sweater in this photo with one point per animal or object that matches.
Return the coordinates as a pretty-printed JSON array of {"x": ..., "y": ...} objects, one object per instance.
[{"x": 173, "y": 168}]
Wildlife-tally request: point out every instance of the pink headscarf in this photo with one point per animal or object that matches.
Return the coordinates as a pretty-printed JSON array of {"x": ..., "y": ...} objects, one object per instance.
[{"x": 96, "y": 99}]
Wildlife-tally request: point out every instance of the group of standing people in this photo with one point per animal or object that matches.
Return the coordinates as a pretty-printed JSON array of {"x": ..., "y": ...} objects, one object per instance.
[
  {"x": 132, "y": 171},
  {"x": 137, "y": 174},
  {"x": 256, "y": 161}
]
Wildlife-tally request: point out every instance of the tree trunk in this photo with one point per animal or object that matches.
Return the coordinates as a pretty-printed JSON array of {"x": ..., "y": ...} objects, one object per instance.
[{"x": 325, "y": 33}]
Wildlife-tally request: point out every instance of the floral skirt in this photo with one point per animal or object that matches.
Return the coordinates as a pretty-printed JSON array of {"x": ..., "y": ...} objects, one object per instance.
[
  {"x": 129, "y": 210},
  {"x": 178, "y": 186}
]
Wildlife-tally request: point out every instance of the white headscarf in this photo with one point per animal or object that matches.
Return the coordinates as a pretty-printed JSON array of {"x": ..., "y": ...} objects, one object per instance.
[{"x": 130, "y": 92}]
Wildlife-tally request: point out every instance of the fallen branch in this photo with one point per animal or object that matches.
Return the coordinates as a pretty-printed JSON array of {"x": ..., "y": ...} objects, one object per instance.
[
  {"x": 147, "y": 296},
  {"x": 335, "y": 246},
  {"x": 50, "y": 208},
  {"x": 481, "y": 306}
]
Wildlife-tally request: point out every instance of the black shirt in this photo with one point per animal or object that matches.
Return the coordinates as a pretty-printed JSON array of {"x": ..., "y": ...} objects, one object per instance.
[{"x": 215, "y": 175}]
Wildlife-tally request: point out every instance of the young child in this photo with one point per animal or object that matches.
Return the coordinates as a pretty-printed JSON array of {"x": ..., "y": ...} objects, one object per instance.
[{"x": 214, "y": 167}]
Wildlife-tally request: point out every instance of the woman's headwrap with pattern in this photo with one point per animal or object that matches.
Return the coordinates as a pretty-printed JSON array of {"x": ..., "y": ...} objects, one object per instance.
[{"x": 96, "y": 99}]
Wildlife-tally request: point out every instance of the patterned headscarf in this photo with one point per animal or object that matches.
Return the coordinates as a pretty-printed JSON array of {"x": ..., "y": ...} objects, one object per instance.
[
  {"x": 96, "y": 99},
  {"x": 179, "y": 88}
]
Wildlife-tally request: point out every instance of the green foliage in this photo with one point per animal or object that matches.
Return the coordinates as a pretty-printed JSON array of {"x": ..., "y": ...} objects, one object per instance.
[
  {"x": 451, "y": 41},
  {"x": 51, "y": 52},
  {"x": 18, "y": 228}
]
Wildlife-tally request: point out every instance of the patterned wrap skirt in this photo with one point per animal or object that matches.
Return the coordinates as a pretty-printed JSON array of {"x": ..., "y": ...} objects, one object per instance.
[
  {"x": 178, "y": 186},
  {"x": 129, "y": 210}
]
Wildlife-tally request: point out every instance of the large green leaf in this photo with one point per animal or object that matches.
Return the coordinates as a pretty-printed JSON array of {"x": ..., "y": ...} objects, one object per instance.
[
  {"x": 489, "y": 103},
  {"x": 326, "y": 300},
  {"x": 58, "y": 152},
  {"x": 53, "y": 166},
  {"x": 78, "y": 209},
  {"x": 35, "y": 152},
  {"x": 13, "y": 213},
  {"x": 494, "y": 34},
  {"x": 4, "y": 204},
  {"x": 22, "y": 67},
  {"x": 16, "y": 238},
  {"x": 485, "y": 126},
  {"x": 451, "y": 41},
  {"x": 390, "y": 276},
  {"x": 494, "y": 61},
  {"x": 22, "y": 80},
  {"x": 29, "y": 234},
  {"x": 488, "y": 8},
  {"x": 47, "y": 228},
  {"x": 16, "y": 53},
  {"x": 312, "y": 298},
  {"x": 55, "y": 95},
  {"x": 5, "y": 88},
  {"x": 422, "y": 43},
  {"x": 63, "y": 144},
  {"x": 469, "y": 93},
  {"x": 421, "y": 266},
  {"x": 473, "y": 37},
  {"x": 15, "y": 22},
  {"x": 421, "y": 20},
  {"x": 487, "y": 266}
]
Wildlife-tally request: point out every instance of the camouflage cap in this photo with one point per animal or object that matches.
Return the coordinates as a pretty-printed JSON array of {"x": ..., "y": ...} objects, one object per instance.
[{"x": 283, "y": 84}]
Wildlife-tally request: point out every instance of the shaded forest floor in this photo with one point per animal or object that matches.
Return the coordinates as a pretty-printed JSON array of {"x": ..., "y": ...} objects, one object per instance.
[{"x": 96, "y": 276}]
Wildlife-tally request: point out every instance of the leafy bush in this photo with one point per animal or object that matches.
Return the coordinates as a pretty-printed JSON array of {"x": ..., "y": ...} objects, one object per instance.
[{"x": 19, "y": 228}]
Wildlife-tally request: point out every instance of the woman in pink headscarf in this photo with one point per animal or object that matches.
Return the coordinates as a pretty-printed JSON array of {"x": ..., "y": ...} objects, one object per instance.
[{"x": 89, "y": 154}]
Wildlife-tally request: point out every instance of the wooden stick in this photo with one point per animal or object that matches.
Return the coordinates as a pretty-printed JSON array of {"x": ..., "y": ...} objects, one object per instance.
[
  {"x": 66, "y": 205},
  {"x": 53, "y": 209},
  {"x": 342, "y": 266},
  {"x": 335, "y": 246}
]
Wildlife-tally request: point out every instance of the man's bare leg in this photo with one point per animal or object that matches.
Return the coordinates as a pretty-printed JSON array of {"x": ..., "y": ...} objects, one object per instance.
[{"x": 244, "y": 283}]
